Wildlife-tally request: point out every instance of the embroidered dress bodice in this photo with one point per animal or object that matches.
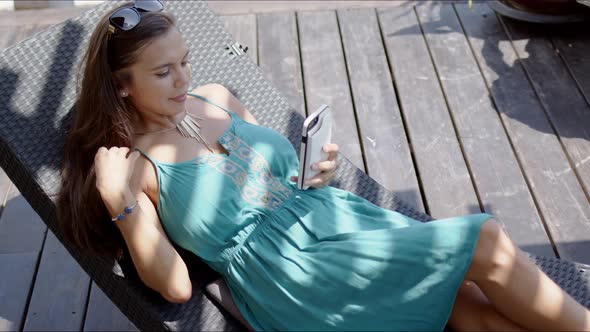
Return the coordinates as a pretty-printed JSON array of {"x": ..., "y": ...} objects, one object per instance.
[{"x": 241, "y": 188}]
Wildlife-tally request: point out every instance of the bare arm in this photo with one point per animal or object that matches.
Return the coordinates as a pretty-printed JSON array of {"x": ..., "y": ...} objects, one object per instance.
[{"x": 158, "y": 264}]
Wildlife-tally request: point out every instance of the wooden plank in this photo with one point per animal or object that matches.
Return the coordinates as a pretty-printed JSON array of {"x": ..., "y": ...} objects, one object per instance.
[
  {"x": 572, "y": 43},
  {"x": 39, "y": 16},
  {"x": 498, "y": 179},
  {"x": 21, "y": 229},
  {"x": 24, "y": 32},
  {"x": 21, "y": 239},
  {"x": 564, "y": 104},
  {"x": 326, "y": 79},
  {"x": 448, "y": 189},
  {"x": 8, "y": 35},
  {"x": 11, "y": 35},
  {"x": 278, "y": 56},
  {"x": 58, "y": 301},
  {"x": 558, "y": 194},
  {"x": 17, "y": 271},
  {"x": 16, "y": 34},
  {"x": 383, "y": 136},
  {"x": 243, "y": 29},
  {"x": 103, "y": 315},
  {"x": 232, "y": 7},
  {"x": 40, "y": 4}
]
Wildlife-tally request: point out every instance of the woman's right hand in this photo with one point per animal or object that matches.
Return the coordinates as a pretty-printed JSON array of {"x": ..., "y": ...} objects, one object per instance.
[{"x": 113, "y": 170}]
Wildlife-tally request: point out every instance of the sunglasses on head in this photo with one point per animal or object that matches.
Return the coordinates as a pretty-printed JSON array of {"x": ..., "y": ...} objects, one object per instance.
[{"x": 127, "y": 18}]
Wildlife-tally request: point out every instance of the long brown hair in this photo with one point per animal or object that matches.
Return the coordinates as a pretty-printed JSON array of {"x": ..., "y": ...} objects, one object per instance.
[{"x": 102, "y": 118}]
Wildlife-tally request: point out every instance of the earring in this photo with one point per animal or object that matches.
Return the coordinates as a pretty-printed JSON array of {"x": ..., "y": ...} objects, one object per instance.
[{"x": 123, "y": 94}]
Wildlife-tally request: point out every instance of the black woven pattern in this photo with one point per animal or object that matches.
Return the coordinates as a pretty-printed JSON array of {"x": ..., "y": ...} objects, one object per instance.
[
  {"x": 573, "y": 277},
  {"x": 37, "y": 91}
]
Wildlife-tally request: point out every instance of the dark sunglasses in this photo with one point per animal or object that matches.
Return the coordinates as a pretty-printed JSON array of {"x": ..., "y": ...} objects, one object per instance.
[{"x": 127, "y": 18}]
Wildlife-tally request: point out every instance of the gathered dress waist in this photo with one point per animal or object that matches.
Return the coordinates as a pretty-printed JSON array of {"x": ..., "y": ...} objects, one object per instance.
[{"x": 259, "y": 223}]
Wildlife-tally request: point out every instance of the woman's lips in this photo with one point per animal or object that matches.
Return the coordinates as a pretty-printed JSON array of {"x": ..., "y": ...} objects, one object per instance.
[{"x": 180, "y": 98}]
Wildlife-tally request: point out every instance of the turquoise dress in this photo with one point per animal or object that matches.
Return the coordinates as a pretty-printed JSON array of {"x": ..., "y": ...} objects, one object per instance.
[{"x": 316, "y": 259}]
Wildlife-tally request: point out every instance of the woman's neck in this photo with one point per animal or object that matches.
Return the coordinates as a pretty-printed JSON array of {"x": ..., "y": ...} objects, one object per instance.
[{"x": 145, "y": 123}]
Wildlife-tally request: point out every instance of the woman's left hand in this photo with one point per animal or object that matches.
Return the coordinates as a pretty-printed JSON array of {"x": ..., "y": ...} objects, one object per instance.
[{"x": 327, "y": 168}]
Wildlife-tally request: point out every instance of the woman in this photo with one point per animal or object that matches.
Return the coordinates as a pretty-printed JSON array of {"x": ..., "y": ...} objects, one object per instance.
[{"x": 316, "y": 259}]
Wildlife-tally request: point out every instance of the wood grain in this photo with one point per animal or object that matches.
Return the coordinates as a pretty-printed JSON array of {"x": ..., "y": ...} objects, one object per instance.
[
  {"x": 103, "y": 315},
  {"x": 558, "y": 92},
  {"x": 439, "y": 160},
  {"x": 17, "y": 271},
  {"x": 58, "y": 301},
  {"x": 558, "y": 194},
  {"x": 381, "y": 126},
  {"x": 498, "y": 179},
  {"x": 326, "y": 79},
  {"x": 278, "y": 56}
]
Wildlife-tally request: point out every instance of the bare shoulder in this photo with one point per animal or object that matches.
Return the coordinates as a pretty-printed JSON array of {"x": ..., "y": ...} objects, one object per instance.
[
  {"x": 224, "y": 97},
  {"x": 143, "y": 178},
  {"x": 137, "y": 180}
]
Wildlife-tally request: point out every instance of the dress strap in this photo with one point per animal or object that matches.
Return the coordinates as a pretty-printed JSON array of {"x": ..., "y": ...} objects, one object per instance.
[
  {"x": 209, "y": 101},
  {"x": 147, "y": 156}
]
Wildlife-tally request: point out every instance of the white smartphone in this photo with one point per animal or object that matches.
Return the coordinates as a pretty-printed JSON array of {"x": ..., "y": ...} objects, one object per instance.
[{"x": 317, "y": 131}]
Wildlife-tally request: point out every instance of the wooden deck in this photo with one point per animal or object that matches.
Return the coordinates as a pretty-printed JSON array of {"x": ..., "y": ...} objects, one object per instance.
[{"x": 456, "y": 110}]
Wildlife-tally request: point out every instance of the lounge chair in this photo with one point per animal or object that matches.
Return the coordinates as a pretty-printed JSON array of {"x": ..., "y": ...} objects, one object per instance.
[{"x": 37, "y": 93}]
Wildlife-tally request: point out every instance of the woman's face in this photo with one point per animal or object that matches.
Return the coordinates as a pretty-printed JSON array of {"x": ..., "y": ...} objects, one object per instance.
[{"x": 161, "y": 72}]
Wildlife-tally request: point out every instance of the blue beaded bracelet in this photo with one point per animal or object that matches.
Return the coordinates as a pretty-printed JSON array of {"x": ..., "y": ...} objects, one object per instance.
[{"x": 127, "y": 210}]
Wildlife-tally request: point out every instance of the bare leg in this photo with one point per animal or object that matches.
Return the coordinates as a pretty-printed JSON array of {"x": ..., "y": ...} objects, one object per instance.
[
  {"x": 474, "y": 312},
  {"x": 518, "y": 289}
]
